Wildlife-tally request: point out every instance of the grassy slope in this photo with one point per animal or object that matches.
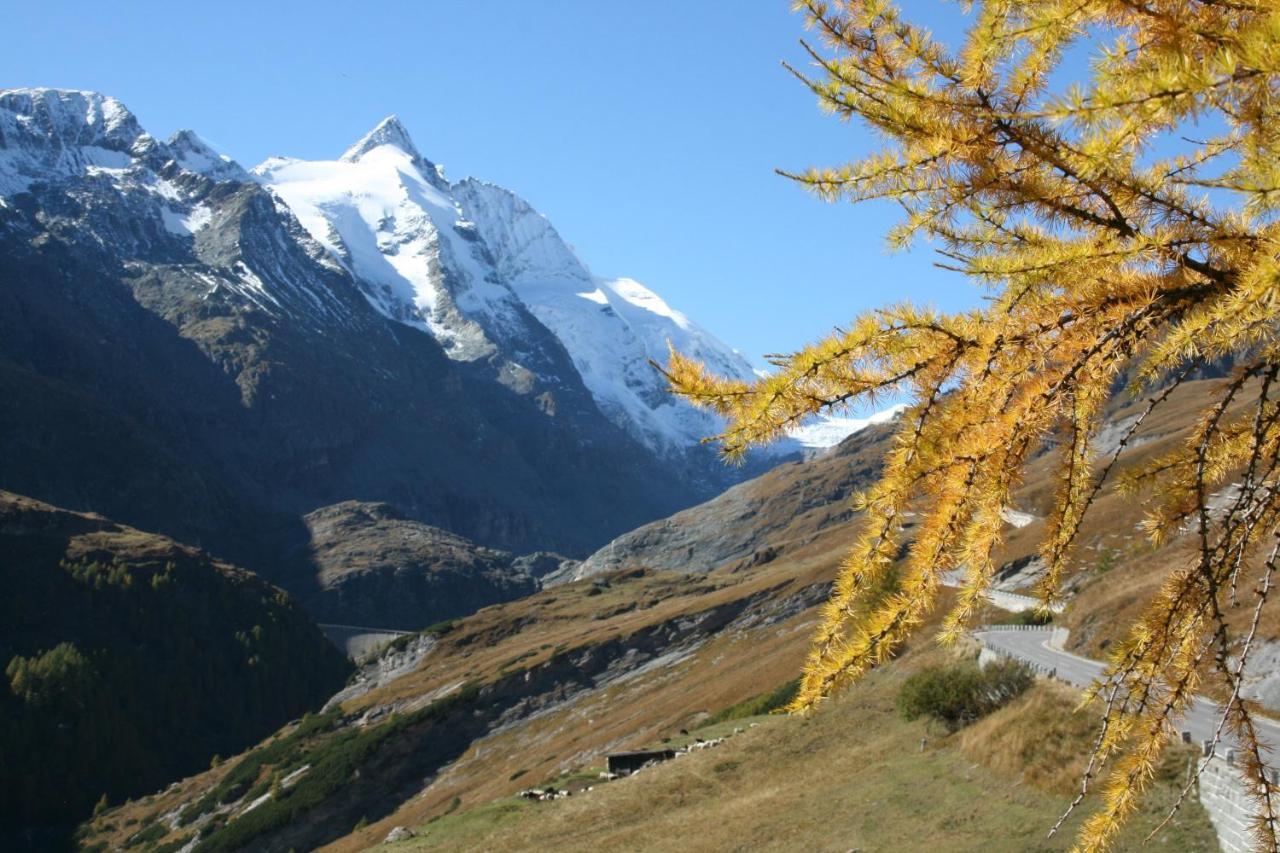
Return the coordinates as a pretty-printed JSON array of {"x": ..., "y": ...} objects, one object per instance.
[{"x": 851, "y": 777}]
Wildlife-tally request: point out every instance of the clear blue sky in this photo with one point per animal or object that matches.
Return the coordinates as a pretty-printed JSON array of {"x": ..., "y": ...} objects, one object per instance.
[{"x": 647, "y": 132}]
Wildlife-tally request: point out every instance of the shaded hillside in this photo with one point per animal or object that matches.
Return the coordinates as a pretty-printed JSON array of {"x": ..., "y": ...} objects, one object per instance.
[
  {"x": 131, "y": 660},
  {"x": 376, "y": 567}
]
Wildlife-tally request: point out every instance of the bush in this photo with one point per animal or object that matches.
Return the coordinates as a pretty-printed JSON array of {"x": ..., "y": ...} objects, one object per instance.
[{"x": 957, "y": 694}]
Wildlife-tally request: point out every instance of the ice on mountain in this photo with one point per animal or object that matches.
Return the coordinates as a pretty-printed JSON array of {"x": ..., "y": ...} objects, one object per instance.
[
  {"x": 378, "y": 210},
  {"x": 460, "y": 261}
]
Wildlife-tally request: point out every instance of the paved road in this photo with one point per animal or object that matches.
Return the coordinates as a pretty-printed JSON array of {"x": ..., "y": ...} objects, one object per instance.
[{"x": 1032, "y": 646}]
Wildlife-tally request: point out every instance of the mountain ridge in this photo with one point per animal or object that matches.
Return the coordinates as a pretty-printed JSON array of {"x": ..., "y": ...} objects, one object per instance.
[
  {"x": 198, "y": 318},
  {"x": 231, "y": 335}
]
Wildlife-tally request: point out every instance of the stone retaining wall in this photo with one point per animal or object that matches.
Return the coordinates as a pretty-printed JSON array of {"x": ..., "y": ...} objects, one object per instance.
[{"x": 1224, "y": 797}]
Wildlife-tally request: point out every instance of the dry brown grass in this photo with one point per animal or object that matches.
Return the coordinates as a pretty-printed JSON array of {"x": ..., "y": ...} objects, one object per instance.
[
  {"x": 853, "y": 776},
  {"x": 1039, "y": 738}
]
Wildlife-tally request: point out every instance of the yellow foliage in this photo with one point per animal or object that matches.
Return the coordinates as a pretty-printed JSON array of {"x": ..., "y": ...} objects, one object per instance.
[{"x": 1101, "y": 260}]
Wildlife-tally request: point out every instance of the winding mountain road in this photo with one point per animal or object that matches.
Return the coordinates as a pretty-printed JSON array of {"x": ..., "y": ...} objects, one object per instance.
[{"x": 1031, "y": 645}]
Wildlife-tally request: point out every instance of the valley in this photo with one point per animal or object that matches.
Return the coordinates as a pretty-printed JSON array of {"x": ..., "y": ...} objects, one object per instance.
[
  {"x": 706, "y": 610},
  {"x": 386, "y": 398},
  {"x": 343, "y": 506}
]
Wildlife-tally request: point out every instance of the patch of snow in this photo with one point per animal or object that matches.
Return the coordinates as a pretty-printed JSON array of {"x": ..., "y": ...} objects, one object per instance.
[
  {"x": 185, "y": 224},
  {"x": 259, "y": 801},
  {"x": 174, "y": 222},
  {"x": 198, "y": 218},
  {"x": 830, "y": 430},
  {"x": 167, "y": 190}
]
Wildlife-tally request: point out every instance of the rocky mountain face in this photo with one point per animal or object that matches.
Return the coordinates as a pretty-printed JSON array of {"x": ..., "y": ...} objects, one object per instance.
[
  {"x": 214, "y": 353},
  {"x": 377, "y": 567},
  {"x": 129, "y": 661}
]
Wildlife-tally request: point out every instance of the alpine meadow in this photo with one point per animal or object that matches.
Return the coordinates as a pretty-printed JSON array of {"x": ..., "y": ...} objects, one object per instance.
[
  {"x": 1124, "y": 230},
  {"x": 349, "y": 502}
]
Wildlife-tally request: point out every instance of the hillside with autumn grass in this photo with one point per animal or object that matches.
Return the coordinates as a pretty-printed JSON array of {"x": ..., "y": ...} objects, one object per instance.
[{"x": 461, "y": 718}]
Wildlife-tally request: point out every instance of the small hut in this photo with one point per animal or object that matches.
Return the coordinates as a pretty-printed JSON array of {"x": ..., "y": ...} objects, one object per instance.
[{"x": 623, "y": 763}]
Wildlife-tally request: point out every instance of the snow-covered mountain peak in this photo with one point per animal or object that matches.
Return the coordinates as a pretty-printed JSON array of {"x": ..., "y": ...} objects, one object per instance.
[
  {"x": 477, "y": 267},
  {"x": 385, "y": 213},
  {"x": 389, "y": 131},
  {"x": 56, "y": 133},
  {"x": 72, "y": 117},
  {"x": 391, "y": 134}
]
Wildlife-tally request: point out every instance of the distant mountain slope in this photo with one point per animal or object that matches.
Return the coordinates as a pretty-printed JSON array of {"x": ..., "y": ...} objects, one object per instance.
[
  {"x": 752, "y": 523},
  {"x": 131, "y": 660},
  {"x": 377, "y": 568}
]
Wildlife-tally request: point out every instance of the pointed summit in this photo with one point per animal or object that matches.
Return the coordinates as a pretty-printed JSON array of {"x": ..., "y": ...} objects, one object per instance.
[
  {"x": 388, "y": 132},
  {"x": 195, "y": 155}
]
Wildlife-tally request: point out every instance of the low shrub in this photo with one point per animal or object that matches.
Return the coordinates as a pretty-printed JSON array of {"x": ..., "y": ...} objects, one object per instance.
[{"x": 959, "y": 693}]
